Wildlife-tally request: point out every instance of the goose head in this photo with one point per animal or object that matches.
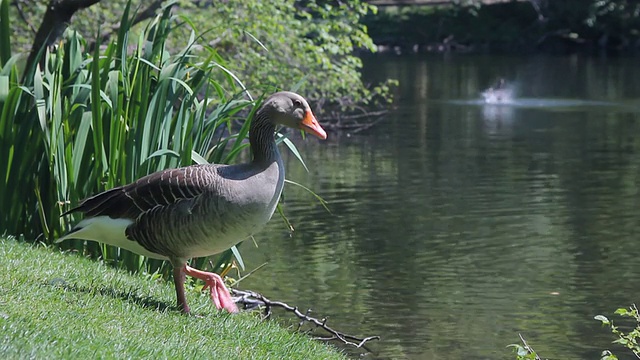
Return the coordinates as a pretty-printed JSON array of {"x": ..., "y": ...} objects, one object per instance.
[{"x": 292, "y": 110}]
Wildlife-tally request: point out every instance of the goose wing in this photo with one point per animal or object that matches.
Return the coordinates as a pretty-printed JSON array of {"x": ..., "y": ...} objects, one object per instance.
[{"x": 162, "y": 188}]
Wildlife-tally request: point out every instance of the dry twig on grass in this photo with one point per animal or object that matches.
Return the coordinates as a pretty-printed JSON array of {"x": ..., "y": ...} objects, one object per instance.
[{"x": 251, "y": 300}]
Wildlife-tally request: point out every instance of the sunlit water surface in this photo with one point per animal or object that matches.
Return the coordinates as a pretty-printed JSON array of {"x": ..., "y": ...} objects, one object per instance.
[{"x": 456, "y": 225}]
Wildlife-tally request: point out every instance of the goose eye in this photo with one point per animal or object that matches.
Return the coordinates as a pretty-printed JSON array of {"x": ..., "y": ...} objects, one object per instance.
[{"x": 297, "y": 102}]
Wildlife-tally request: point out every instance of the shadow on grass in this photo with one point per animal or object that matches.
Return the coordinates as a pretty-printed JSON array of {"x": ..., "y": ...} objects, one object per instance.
[{"x": 130, "y": 295}]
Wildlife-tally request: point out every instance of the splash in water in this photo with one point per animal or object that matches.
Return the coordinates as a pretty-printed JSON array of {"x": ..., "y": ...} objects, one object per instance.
[{"x": 499, "y": 93}]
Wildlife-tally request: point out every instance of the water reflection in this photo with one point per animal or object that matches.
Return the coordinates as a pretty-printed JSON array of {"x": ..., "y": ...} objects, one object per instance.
[{"x": 452, "y": 229}]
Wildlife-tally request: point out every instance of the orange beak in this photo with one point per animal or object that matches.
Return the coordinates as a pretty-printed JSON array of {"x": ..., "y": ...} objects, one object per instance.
[{"x": 310, "y": 125}]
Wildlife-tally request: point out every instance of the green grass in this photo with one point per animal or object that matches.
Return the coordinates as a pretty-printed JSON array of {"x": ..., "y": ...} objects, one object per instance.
[{"x": 60, "y": 305}]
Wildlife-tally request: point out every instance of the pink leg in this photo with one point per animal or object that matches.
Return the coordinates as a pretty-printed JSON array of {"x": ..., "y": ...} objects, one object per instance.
[{"x": 219, "y": 293}]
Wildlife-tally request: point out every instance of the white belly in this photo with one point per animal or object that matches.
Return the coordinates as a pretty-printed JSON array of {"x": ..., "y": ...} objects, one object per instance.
[{"x": 110, "y": 231}]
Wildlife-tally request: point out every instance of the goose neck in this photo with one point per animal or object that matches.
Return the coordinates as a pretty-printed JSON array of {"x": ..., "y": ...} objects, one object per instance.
[{"x": 261, "y": 137}]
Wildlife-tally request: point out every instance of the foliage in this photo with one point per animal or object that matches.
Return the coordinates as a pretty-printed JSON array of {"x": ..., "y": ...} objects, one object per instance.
[
  {"x": 63, "y": 306},
  {"x": 276, "y": 43},
  {"x": 629, "y": 339},
  {"x": 269, "y": 44},
  {"x": 597, "y": 18},
  {"x": 523, "y": 25},
  {"x": 89, "y": 122},
  {"x": 467, "y": 24}
]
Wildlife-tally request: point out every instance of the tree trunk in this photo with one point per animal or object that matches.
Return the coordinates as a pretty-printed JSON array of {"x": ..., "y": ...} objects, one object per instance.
[{"x": 55, "y": 21}]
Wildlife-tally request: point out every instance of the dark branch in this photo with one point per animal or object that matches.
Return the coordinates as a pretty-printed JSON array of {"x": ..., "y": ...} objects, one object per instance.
[
  {"x": 252, "y": 300},
  {"x": 149, "y": 12},
  {"x": 55, "y": 21},
  {"x": 145, "y": 14},
  {"x": 354, "y": 123},
  {"x": 24, "y": 16}
]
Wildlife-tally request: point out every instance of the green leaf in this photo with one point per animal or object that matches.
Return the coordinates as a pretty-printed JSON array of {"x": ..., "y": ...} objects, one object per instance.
[
  {"x": 197, "y": 158},
  {"x": 236, "y": 253},
  {"x": 4, "y": 85},
  {"x": 164, "y": 152},
  {"x": 256, "y": 40},
  {"x": 621, "y": 311},
  {"x": 244, "y": 88},
  {"x": 293, "y": 149},
  {"x": 79, "y": 145},
  {"x": 41, "y": 105},
  {"x": 322, "y": 201}
]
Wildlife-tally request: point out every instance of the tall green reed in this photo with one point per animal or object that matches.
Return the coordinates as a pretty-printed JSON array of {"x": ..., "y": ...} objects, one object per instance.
[{"x": 84, "y": 123}]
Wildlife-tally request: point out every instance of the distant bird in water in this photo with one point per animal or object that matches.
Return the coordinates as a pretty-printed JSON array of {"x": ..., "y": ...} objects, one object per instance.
[
  {"x": 499, "y": 93},
  {"x": 199, "y": 210}
]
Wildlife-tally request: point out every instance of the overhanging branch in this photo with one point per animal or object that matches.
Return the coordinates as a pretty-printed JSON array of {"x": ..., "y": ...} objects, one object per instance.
[
  {"x": 54, "y": 22},
  {"x": 147, "y": 13}
]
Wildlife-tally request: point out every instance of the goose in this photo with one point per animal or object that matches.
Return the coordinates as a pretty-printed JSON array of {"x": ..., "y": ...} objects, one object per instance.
[{"x": 199, "y": 210}]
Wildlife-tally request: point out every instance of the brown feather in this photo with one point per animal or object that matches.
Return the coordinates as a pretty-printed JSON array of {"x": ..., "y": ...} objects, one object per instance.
[{"x": 158, "y": 189}]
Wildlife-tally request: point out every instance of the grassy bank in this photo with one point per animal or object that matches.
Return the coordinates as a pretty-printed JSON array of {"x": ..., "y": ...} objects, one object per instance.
[{"x": 55, "y": 305}]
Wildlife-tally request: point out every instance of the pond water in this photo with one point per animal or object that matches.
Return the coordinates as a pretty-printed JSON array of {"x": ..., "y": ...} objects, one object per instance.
[{"x": 456, "y": 225}]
